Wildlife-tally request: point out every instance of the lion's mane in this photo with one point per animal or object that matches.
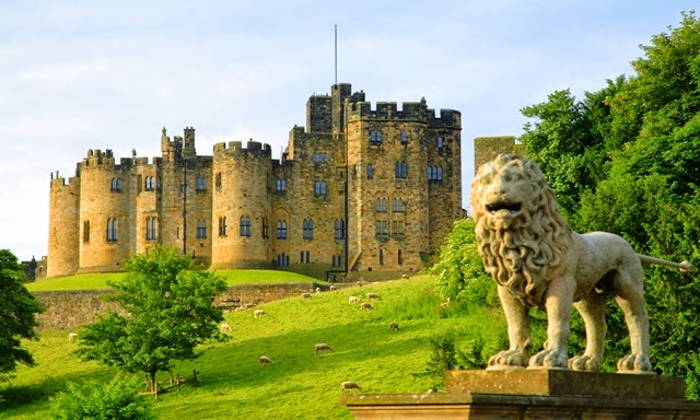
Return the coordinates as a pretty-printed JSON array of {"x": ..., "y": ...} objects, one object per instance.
[{"x": 520, "y": 256}]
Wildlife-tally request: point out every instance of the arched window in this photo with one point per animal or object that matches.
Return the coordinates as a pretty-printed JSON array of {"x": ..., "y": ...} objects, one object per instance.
[
  {"x": 201, "y": 229},
  {"x": 380, "y": 205},
  {"x": 116, "y": 185},
  {"x": 339, "y": 227},
  {"x": 222, "y": 226},
  {"x": 398, "y": 206},
  {"x": 320, "y": 188},
  {"x": 308, "y": 230},
  {"x": 148, "y": 184},
  {"x": 245, "y": 226},
  {"x": 281, "y": 229},
  {"x": 150, "y": 228},
  {"x": 112, "y": 229},
  {"x": 86, "y": 231}
]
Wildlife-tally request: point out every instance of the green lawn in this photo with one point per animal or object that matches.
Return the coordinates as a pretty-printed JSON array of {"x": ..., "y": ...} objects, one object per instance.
[
  {"x": 99, "y": 280},
  {"x": 298, "y": 384}
]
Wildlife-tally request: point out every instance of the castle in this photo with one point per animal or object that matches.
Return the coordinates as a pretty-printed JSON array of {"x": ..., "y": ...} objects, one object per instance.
[{"x": 356, "y": 190}]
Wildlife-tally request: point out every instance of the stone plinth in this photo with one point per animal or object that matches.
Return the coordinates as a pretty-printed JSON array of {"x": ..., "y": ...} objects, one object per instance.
[{"x": 534, "y": 394}]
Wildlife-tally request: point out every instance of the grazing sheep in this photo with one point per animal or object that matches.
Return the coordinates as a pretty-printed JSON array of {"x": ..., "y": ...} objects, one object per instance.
[
  {"x": 306, "y": 295},
  {"x": 321, "y": 346},
  {"x": 348, "y": 385},
  {"x": 367, "y": 306},
  {"x": 224, "y": 327},
  {"x": 332, "y": 288},
  {"x": 394, "y": 326},
  {"x": 264, "y": 360},
  {"x": 354, "y": 299},
  {"x": 318, "y": 290},
  {"x": 258, "y": 313},
  {"x": 372, "y": 296},
  {"x": 72, "y": 336},
  {"x": 404, "y": 276}
]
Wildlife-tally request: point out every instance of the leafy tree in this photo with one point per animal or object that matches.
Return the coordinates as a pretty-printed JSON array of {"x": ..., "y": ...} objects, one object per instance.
[
  {"x": 17, "y": 314},
  {"x": 169, "y": 311},
  {"x": 117, "y": 400}
]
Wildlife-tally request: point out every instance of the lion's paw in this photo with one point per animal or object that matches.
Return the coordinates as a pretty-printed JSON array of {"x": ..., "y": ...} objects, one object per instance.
[
  {"x": 584, "y": 363},
  {"x": 508, "y": 358},
  {"x": 549, "y": 359},
  {"x": 634, "y": 363}
]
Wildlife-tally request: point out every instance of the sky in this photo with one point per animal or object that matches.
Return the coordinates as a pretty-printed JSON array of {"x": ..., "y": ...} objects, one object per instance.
[{"x": 78, "y": 75}]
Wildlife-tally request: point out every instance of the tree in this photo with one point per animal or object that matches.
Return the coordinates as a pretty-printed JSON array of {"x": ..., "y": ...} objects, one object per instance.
[
  {"x": 117, "y": 400},
  {"x": 168, "y": 312},
  {"x": 17, "y": 314}
]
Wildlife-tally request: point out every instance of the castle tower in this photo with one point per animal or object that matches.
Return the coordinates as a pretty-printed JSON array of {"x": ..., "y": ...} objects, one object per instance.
[
  {"x": 240, "y": 205},
  {"x": 105, "y": 209},
  {"x": 63, "y": 227}
]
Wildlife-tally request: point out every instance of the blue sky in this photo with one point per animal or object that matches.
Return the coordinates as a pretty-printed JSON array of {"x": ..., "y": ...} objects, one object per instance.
[{"x": 76, "y": 75}]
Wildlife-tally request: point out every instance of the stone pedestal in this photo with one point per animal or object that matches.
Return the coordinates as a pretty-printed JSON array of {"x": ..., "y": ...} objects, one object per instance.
[{"x": 535, "y": 394}]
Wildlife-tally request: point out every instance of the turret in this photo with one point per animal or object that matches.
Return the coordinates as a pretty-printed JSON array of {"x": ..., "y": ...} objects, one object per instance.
[{"x": 63, "y": 227}]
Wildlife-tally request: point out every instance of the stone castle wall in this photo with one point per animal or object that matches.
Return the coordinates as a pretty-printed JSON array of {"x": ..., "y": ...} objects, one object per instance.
[
  {"x": 70, "y": 309},
  {"x": 487, "y": 148}
]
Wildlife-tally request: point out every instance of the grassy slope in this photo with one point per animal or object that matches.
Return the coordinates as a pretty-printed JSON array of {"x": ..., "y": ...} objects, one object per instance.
[
  {"x": 99, "y": 280},
  {"x": 298, "y": 384}
]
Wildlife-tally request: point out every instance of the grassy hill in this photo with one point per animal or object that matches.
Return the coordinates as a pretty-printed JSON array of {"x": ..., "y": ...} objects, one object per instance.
[
  {"x": 298, "y": 384},
  {"x": 232, "y": 277}
]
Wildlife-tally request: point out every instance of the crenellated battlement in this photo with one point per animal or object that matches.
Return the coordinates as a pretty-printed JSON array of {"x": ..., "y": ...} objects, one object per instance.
[
  {"x": 98, "y": 159},
  {"x": 448, "y": 118},
  {"x": 235, "y": 148},
  {"x": 60, "y": 182}
]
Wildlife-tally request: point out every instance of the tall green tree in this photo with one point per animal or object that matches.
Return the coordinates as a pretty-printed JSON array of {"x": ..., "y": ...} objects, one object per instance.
[
  {"x": 169, "y": 311},
  {"x": 17, "y": 314}
]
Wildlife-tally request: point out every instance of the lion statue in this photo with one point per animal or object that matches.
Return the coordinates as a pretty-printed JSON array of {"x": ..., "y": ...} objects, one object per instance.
[{"x": 537, "y": 260}]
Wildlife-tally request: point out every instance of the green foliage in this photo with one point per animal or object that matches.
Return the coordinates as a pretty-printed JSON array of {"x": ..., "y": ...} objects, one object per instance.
[
  {"x": 625, "y": 160},
  {"x": 461, "y": 272},
  {"x": 116, "y": 400},
  {"x": 170, "y": 312},
  {"x": 17, "y": 315}
]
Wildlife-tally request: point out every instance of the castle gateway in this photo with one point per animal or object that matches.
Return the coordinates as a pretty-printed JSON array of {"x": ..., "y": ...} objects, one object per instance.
[{"x": 369, "y": 189}]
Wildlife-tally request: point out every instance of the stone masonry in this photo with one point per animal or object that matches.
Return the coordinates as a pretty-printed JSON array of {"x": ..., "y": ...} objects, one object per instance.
[{"x": 362, "y": 187}]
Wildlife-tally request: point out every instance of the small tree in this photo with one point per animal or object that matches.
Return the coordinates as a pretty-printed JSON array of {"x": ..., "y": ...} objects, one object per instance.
[
  {"x": 169, "y": 311},
  {"x": 117, "y": 400},
  {"x": 17, "y": 310}
]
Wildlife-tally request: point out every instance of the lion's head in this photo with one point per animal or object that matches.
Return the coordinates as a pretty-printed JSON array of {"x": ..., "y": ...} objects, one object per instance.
[{"x": 520, "y": 232}]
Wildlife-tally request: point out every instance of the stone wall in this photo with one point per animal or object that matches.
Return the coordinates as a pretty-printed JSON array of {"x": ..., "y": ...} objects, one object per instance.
[
  {"x": 70, "y": 309},
  {"x": 487, "y": 148}
]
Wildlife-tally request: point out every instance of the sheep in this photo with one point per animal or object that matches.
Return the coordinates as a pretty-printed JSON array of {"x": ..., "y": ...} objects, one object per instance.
[
  {"x": 318, "y": 290},
  {"x": 366, "y": 305},
  {"x": 446, "y": 303},
  {"x": 264, "y": 360},
  {"x": 348, "y": 385},
  {"x": 224, "y": 327},
  {"x": 250, "y": 305},
  {"x": 404, "y": 276},
  {"x": 372, "y": 296},
  {"x": 258, "y": 313},
  {"x": 394, "y": 326},
  {"x": 72, "y": 336},
  {"x": 332, "y": 287},
  {"x": 321, "y": 346},
  {"x": 306, "y": 295},
  {"x": 353, "y": 299}
]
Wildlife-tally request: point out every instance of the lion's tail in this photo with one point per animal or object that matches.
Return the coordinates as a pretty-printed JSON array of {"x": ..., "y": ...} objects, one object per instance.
[{"x": 683, "y": 267}]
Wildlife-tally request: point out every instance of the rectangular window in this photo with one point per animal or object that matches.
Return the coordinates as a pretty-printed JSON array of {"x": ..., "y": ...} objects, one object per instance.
[
  {"x": 217, "y": 181},
  {"x": 435, "y": 174},
  {"x": 282, "y": 260},
  {"x": 401, "y": 170},
  {"x": 112, "y": 230},
  {"x": 370, "y": 171},
  {"x": 86, "y": 231},
  {"x": 201, "y": 185},
  {"x": 281, "y": 185},
  {"x": 265, "y": 228},
  {"x": 201, "y": 229},
  {"x": 398, "y": 206},
  {"x": 245, "y": 226},
  {"x": 404, "y": 138},
  {"x": 382, "y": 229},
  {"x": 320, "y": 188},
  {"x": 281, "y": 229},
  {"x": 319, "y": 157},
  {"x": 339, "y": 227},
  {"x": 380, "y": 205},
  {"x": 440, "y": 143},
  {"x": 222, "y": 226},
  {"x": 150, "y": 228},
  {"x": 397, "y": 229},
  {"x": 375, "y": 137}
]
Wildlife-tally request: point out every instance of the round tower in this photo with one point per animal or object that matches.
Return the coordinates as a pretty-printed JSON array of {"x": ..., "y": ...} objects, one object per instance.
[
  {"x": 241, "y": 205},
  {"x": 104, "y": 213},
  {"x": 62, "y": 259}
]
